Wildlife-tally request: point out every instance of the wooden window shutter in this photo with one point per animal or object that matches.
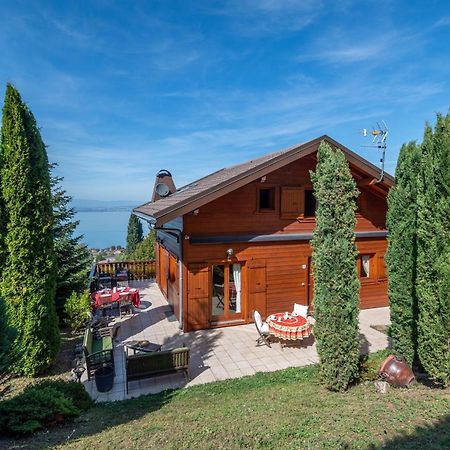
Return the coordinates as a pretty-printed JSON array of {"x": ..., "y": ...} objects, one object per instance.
[
  {"x": 382, "y": 268},
  {"x": 292, "y": 202}
]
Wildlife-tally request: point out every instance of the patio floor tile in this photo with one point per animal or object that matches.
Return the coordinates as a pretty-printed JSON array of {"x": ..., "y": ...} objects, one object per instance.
[{"x": 217, "y": 354}]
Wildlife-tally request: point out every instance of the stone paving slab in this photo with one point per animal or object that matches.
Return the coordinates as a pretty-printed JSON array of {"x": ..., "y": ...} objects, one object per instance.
[{"x": 216, "y": 354}]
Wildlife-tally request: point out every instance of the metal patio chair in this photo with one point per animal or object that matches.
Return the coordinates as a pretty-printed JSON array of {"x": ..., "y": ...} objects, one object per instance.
[{"x": 263, "y": 330}]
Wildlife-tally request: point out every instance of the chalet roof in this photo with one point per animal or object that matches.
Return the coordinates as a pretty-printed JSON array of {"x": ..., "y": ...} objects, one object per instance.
[{"x": 217, "y": 184}]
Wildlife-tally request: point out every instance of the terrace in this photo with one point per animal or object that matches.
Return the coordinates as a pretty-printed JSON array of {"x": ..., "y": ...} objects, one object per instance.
[{"x": 215, "y": 354}]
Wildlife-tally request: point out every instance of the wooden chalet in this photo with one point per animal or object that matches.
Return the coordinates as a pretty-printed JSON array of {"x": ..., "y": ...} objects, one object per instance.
[{"x": 238, "y": 239}]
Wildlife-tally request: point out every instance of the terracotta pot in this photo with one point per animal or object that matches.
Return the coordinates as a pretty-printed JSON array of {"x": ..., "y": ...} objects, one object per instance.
[{"x": 396, "y": 372}]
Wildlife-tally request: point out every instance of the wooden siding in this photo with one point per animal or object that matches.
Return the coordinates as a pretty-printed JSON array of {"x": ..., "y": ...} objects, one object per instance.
[
  {"x": 278, "y": 275},
  {"x": 237, "y": 212},
  {"x": 168, "y": 277},
  {"x": 275, "y": 274}
]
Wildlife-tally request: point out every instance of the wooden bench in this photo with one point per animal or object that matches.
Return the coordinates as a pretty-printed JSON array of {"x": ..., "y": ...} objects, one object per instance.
[
  {"x": 98, "y": 350},
  {"x": 145, "y": 365}
]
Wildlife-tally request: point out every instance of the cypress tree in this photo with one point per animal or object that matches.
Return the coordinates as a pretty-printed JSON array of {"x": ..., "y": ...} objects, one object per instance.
[
  {"x": 336, "y": 284},
  {"x": 134, "y": 234},
  {"x": 146, "y": 248},
  {"x": 3, "y": 218},
  {"x": 29, "y": 272},
  {"x": 401, "y": 255},
  {"x": 72, "y": 255},
  {"x": 433, "y": 252}
]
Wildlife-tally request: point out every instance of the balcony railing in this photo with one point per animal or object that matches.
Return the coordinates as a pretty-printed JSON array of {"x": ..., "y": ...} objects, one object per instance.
[{"x": 137, "y": 270}]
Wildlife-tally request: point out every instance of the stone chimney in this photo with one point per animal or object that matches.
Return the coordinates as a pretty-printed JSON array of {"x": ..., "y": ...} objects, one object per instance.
[{"x": 164, "y": 185}]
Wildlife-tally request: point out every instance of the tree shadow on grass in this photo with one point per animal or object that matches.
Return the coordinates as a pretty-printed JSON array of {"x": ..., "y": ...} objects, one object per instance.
[
  {"x": 99, "y": 418},
  {"x": 109, "y": 414},
  {"x": 103, "y": 416},
  {"x": 432, "y": 436}
]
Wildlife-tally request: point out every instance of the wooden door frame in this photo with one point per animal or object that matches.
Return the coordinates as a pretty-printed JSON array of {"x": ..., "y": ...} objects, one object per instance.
[{"x": 244, "y": 319}]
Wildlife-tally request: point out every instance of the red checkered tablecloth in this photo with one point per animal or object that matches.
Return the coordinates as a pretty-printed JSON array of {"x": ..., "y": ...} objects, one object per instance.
[{"x": 288, "y": 326}]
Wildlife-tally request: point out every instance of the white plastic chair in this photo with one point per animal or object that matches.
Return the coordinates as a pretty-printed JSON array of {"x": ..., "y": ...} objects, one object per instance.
[{"x": 302, "y": 310}]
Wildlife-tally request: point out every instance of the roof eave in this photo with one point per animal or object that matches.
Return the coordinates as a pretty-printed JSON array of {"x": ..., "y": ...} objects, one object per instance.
[{"x": 184, "y": 206}]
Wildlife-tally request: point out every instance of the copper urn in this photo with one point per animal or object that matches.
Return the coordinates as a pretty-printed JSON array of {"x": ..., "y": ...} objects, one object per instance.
[{"x": 396, "y": 372}]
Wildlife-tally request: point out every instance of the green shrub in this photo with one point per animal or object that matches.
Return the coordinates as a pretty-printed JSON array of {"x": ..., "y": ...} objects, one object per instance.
[
  {"x": 76, "y": 310},
  {"x": 370, "y": 365},
  {"x": 35, "y": 408},
  {"x": 70, "y": 389}
]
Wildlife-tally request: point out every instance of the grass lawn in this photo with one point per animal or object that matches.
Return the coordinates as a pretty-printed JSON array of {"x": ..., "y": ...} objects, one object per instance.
[{"x": 279, "y": 410}]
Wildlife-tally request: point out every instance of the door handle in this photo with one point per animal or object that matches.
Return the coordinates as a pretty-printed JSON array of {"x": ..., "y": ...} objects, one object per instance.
[{"x": 303, "y": 284}]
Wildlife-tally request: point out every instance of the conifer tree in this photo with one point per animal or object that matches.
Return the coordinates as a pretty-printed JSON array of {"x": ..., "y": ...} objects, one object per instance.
[
  {"x": 336, "y": 284},
  {"x": 3, "y": 218},
  {"x": 72, "y": 256},
  {"x": 401, "y": 256},
  {"x": 146, "y": 248},
  {"x": 29, "y": 271},
  {"x": 134, "y": 234},
  {"x": 433, "y": 252}
]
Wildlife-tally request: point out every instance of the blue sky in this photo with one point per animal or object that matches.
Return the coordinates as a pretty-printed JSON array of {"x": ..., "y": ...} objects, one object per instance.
[{"x": 122, "y": 89}]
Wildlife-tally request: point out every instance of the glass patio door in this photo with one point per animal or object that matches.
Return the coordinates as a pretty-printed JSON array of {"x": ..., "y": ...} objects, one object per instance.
[{"x": 226, "y": 298}]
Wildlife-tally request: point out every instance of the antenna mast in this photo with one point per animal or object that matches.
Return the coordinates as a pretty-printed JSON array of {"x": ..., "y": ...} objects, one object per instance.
[{"x": 379, "y": 141}]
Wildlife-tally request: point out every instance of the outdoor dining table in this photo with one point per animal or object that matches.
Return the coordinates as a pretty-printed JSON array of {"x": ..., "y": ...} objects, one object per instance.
[
  {"x": 288, "y": 326},
  {"x": 115, "y": 296}
]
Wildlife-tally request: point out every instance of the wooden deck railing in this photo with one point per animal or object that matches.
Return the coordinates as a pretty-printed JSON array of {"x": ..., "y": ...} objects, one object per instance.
[{"x": 137, "y": 270}]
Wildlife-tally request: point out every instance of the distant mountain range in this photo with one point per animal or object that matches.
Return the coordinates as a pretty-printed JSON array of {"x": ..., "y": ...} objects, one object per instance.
[{"x": 82, "y": 205}]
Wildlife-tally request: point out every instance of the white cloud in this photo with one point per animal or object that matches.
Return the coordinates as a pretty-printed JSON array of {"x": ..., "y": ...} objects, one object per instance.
[{"x": 259, "y": 17}]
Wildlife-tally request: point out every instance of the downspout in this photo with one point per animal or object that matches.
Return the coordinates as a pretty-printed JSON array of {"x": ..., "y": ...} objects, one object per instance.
[{"x": 180, "y": 266}]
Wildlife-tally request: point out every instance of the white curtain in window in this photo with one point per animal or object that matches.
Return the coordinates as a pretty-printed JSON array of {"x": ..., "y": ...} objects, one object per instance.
[
  {"x": 237, "y": 285},
  {"x": 365, "y": 260}
]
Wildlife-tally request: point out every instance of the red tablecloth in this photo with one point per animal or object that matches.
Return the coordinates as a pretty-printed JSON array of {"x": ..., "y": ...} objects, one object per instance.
[
  {"x": 133, "y": 293},
  {"x": 288, "y": 327}
]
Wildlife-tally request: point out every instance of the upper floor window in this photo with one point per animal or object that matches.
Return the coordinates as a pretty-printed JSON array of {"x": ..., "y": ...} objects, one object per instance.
[
  {"x": 310, "y": 203},
  {"x": 266, "y": 199}
]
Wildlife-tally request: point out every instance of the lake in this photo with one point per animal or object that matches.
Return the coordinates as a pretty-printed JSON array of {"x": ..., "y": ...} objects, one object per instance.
[{"x": 102, "y": 229}]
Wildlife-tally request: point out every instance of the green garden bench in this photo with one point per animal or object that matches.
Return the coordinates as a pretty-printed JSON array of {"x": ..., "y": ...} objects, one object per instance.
[
  {"x": 98, "y": 350},
  {"x": 145, "y": 365}
]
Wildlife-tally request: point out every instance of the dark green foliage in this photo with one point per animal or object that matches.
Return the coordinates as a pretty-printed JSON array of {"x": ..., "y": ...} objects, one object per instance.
[
  {"x": 72, "y": 256},
  {"x": 336, "y": 284},
  {"x": 37, "y": 407},
  {"x": 6, "y": 354},
  {"x": 3, "y": 218},
  {"x": 146, "y": 248},
  {"x": 76, "y": 310},
  {"x": 135, "y": 234},
  {"x": 433, "y": 252},
  {"x": 29, "y": 271},
  {"x": 70, "y": 389},
  {"x": 401, "y": 256}
]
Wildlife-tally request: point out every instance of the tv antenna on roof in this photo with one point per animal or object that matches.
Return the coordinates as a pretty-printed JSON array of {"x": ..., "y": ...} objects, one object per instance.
[{"x": 379, "y": 135}]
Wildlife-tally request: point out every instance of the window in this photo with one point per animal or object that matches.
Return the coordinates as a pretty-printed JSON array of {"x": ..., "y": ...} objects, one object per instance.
[
  {"x": 266, "y": 199},
  {"x": 364, "y": 266},
  {"x": 310, "y": 203}
]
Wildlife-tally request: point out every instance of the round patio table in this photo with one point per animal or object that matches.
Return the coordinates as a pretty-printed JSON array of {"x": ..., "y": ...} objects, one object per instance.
[{"x": 288, "y": 326}]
